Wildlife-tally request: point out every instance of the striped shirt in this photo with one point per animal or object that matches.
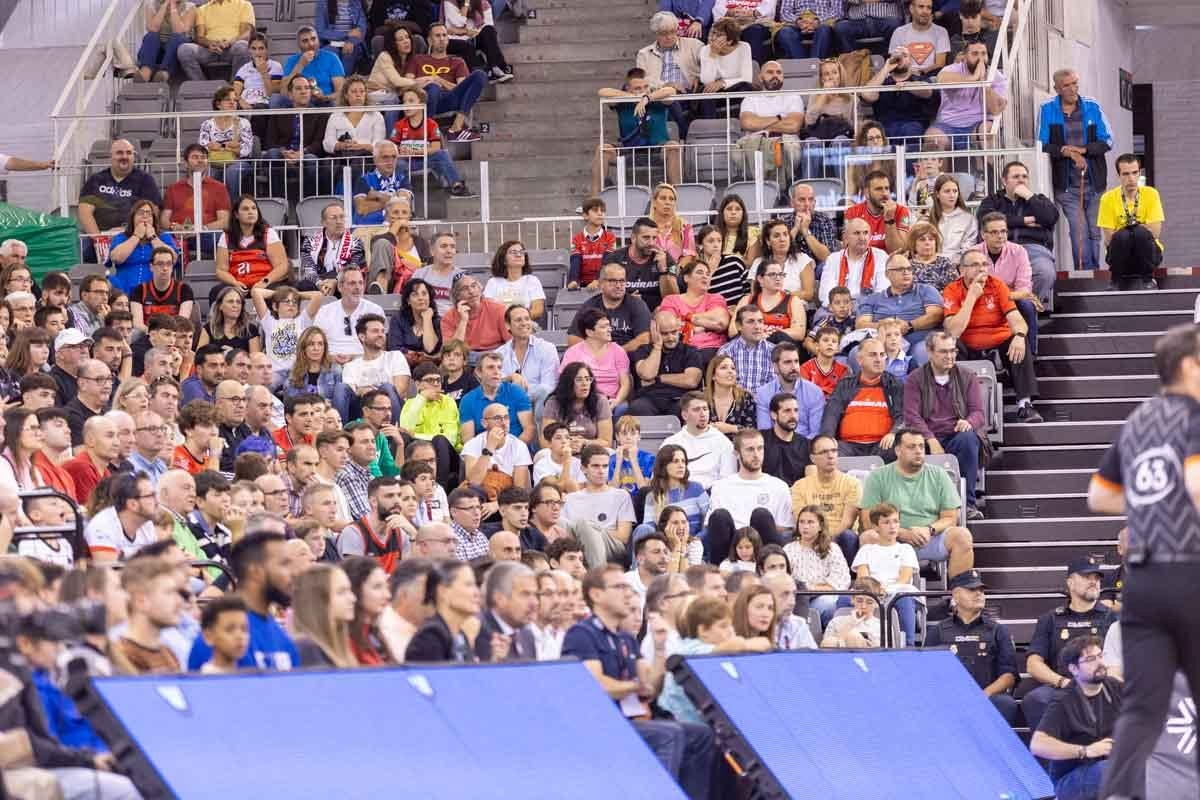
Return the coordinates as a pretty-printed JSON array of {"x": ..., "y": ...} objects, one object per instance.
[
  {"x": 879, "y": 9},
  {"x": 469, "y": 544},
  {"x": 824, "y": 9}
]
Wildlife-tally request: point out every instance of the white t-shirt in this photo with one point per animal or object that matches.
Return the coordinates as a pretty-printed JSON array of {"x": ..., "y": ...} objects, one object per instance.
[
  {"x": 39, "y": 550},
  {"x": 854, "y": 272},
  {"x": 741, "y": 496},
  {"x": 433, "y": 509},
  {"x": 254, "y": 91},
  {"x": 332, "y": 319},
  {"x": 793, "y": 268},
  {"x": 544, "y": 467},
  {"x": 608, "y": 507},
  {"x": 514, "y": 453},
  {"x": 245, "y": 241},
  {"x": 710, "y": 456},
  {"x": 886, "y": 561},
  {"x": 774, "y": 105},
  {"x": 104, "y": 533},
  {"x": 281, "y": 337},
  {"x": 4, "y": 164},
  {"x": 521, "y": 292},
  {"x": 377, "y": 372}
]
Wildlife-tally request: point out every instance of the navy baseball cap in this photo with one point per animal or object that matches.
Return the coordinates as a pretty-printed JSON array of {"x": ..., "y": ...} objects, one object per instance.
[
  {"x": 968, "y": 579},
  {"x": 1085, "y": 566}
]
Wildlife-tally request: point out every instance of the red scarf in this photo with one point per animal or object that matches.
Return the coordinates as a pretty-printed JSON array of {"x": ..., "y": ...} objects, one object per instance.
[
  {"x": 868, "y": 273},
  {"x": 343, "y": 250}
]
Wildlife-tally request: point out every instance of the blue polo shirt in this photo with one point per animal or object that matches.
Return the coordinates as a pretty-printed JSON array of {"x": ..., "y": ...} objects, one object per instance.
[
  {"x": 907, "y": 306},
  {"x": 321, "y": 70},
  {"x": 617, "y": 652},
  {"x": 373, "y": 181},
  {"x": 473, "y": 403}
]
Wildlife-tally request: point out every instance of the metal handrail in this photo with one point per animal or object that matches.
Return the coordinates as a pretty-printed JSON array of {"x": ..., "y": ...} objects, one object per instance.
[{"x": 72, "y": 534}]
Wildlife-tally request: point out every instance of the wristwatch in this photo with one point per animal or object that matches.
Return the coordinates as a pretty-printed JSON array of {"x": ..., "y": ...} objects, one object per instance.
[
  {"x": 1022, "y": 335},
  {"x": 486, "y": 452}
]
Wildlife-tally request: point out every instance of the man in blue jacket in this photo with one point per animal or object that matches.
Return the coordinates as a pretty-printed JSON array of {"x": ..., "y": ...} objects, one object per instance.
[{"x": 1076, "y": 135}]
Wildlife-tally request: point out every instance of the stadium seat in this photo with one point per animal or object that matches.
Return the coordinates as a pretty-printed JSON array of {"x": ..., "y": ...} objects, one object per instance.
[
  {"x": 696, "y": 201},
  {"x": 829, "y": 191},
  {"x": 800, "y": 68},
  {"x": 993, "y": 397},
  {"x": 637, "y": 200},
  {"x": 308, "y": 210},
  {"x": 566, "y": 303},
  {"x": 390, "y": 303},
  {"x": 949, "y": 463},
  {"x": 966, "y": 183},
  {"x": 143, "y": 98},
  {"x": 200, "y": 269},
  {"x": 859, "y": 466},
  {"x": 273, "y": 210},
  {"x": 708, "y": 154}
]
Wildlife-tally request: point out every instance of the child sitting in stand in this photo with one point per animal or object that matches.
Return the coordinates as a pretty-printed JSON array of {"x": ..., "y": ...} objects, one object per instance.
[
  {"x": 823, "y": 369},
  {"x": 589, "y": 246}
]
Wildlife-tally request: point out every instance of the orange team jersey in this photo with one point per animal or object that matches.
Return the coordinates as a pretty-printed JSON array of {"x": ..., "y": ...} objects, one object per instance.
[
  {"x": 825, "y": 381},
  {"x": 183, "y": 459},
  {"x": 866, "y": 419},
  {"x": 988, "y": 326},
  {"x": 877, "y": 223}
]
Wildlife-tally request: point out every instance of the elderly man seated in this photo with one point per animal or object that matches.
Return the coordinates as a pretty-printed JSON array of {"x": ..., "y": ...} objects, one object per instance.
[
  {"x": 475, "y": 319},
  {"x": 917, "y": 306},
  {"x": 329, "y": 251},
  {"x": 374, "y": 189}
]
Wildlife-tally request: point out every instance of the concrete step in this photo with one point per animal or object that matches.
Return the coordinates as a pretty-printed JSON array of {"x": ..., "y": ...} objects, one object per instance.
[
  {"x": 584, "y": 130},
  {"x": 622, "y": 7},
  {"x": 1055, "y": 481},
  {"x": 1088, "y": 365},
  {"x": 1027, "y": 606},
  {"x": 552, "y": 91},
  {"x": 1059, "y": 344},
  {"x": 475, "y": 237},
  {"x": 1063, "y": 433},
  {"x": 513, "y": 206},
  {"x": 534, "y": 167},
  {"x": 540, "y": 69},
  {"x": 1098, "y": 410},
  {"x": 540, "y": 113},
  {"x": 583, "y": 51},
  {"x": 1039, "y": 457},
  {"x": 1029, "y": 554},
  {"x": 611, "y": 32},
  {"x": 1028, "y": 579},
  {"x": 1124, "y": 322},
  {"x": 1076, "y": 528},
  {"x": 1032, "y": 501},
  {"x": 505, "y": 147},
  {"x": 1062, "y": 388},
  {"x": 592, "y": 15},
  {"x": 1099, "y": 282},
  {"x": 1114, "y": 302}
]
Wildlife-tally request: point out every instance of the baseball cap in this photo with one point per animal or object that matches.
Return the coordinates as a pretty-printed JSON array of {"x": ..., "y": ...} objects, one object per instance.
[
  {"x": 1089, "y": 565},
  {"x": 69, "y": 337},
  {"x": 967, "y": 579}
]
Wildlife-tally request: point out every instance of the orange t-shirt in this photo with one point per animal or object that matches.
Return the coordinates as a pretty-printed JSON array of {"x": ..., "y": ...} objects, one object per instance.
[
  {"x": 988, "y": 326},
  {"x": 825, "y": 381},
  {"x": 183, "y": 459},
  {"x": 866, "y": 419}
]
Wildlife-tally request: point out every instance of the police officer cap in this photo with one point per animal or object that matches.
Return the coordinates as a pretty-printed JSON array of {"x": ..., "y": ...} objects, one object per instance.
[
  {"x": 967, "y": 579},
  {"x": 1085, "y": 566}
]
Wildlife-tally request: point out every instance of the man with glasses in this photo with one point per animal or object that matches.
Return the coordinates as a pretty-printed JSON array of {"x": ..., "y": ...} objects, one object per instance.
[
  {"x": 553, "y": 614},
  {"x": 1009, "y": 262},
  {"x": 23, "y": 305},
  {"x": 465, "y": 513},
  {"x": 377, "y": 408},
  {"x": 437, "y": 540},
  {"x": 918, "y": 306},
  {"x": 339, "y": 320},
  {"x": 231, "y": 420},
  {"x": 275, "y": 493},
  {"x": 666, "y": 368},
  {"x": 71, "y": 346},
  {"x": 474, "y": 319},
  {"x": 981, "y": 314},
  {"x": 493, "y": 388},
  {"x": 126, "y": 526},
  {"x": 627, "y": 312},
  {"x": 94, "y": 389},
  {"x": 87, "y": 314},
  {"x": 545, "y": 512},
  {"x": 496, "y": 450},
  {"x": 946, "y": 405}
]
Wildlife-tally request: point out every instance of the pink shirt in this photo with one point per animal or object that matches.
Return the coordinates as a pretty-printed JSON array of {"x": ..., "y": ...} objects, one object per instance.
[
  {"x": 608, "y": 369},
  {"x": 677, "y": 250},
  {"x": 1012, "y": 266},
  {"x": 696, "y": 336}
]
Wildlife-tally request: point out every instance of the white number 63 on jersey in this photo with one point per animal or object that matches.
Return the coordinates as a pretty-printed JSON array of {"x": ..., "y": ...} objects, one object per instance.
[{"x": 1155, "y": 473}]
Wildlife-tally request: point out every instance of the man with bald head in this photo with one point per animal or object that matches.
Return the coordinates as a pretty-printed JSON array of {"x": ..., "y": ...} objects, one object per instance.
[
  {"x": 262, "y": 373},
  {"x": 770, "y": 122},
  {"x": 230, "y": 397},
  {"x": 814, "y": 232},
  {"x": 275, "y": 493},
  {"x": 149, "y": 440},
  {"x": 434, "y": 540},
  {"x": 667, "y": 367},
  {"x": 125, "y": 439},
  {"x": 177, "y": 494},
  {"x": 496, "y": 449},
  {"x": 504, "y": 546},
  {"x": 95, "y": 387},
  {"x": 107, "y": 196},
  {"x": 865, "y": 410},
  {"x": 858, "y": 266},
  {"x": 94, "y": 460}
]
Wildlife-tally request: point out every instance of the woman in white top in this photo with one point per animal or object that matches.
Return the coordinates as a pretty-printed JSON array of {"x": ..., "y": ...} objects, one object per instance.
[
  {"x": 513, "y": 282},
  {"x": 799, "y": 270},
  {"x": 958, "y": 226},
  {"x": 725, "y": 66},
  {"x": 229, "y": 140},
  {"x": 473, "y": 29},
  {"x": 354, "y": 133},
  {"x": 817, "y": 561},
  {"x": 387, "y": 78}
]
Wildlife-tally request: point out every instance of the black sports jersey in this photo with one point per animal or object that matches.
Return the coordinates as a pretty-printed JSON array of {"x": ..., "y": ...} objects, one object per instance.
[{"x": 1146, "y": 463}]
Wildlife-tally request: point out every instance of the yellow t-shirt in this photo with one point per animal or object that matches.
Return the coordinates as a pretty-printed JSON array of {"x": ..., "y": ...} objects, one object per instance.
[
  {"x": 752, "y": 233},
  {"x": 224, "y": 20},
  {"x": 1113, "y": 211},
  {"x": 833, "y": 498}
]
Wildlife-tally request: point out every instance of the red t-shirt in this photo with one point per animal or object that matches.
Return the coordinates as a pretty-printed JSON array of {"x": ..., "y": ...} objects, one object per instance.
[
  {"x": 411, "y": 140},
  {"x": 83, "y": 471},
  {"x": 452, "y": 68},
  {"x": 878, "y": 226},
  {"x": 485, "y": 330},
  {"x": 825, "y": 381},
  {"x": 988, "y": 326},
  {"x": 591, "y": 252},
  {"x": 214, "y": 197},
  {"x": 866, "y": 419},
  {"x": 183, "y": 459}
]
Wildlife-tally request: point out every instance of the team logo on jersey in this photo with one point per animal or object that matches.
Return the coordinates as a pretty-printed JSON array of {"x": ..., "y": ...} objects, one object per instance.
[{"x": 1154, "y": 475}]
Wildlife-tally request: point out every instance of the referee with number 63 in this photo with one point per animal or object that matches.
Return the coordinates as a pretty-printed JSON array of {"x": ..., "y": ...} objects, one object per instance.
[{"x": 1151, "y": 473}]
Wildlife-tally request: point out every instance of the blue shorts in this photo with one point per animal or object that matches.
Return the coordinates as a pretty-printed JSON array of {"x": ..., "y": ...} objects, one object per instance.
[{"x": 934, "y": 549}]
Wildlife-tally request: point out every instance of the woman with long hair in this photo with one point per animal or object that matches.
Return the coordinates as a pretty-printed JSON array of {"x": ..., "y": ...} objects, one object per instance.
[
  {"x": 816, "y": 562},
  {"x": 739, "y": 237},
  {"x": 957, "y": 225},
  {"x": 229, "y": 140},
  {"x": 322, "y": 612},
  {"x": 671, "y": 485},
  {"x": 352, "y": 132},
  {"x": 872, "y": 141},
  {"x": 579, "y": 404},
  {"x": 448, "y": 635},
  {"x": 388, "y": 79},
  {"x": 702, "y": 312},
  {"x": 472, "y": 30},
  {"x": 513, "y": 281},
  {"x": 784, "y": 317},
  {"x": 249, "y": 252},
  {"x": 132, "y": 248},
  {"x": 416, "y": 330},
  {"x": 22, "y": 441},
  {"x": 730, "y": 407},
  {"x": 10, "y": 381},
  {"x": 30, "y": 352},
  {"x": 313, "y": 371},
  {"x": 684, "y": 548},
  {"x": 675, "y": 235},
  {"x": 924, "y": 253},
  {"x": 799, "y": 270},
  {"x": 229, "y": 323},
  {"x": 132, "y": 397},
  {"x": 754, "y": 613},
  {"x": 729, "y": 274},
  {"x": 371, "y": 597}
]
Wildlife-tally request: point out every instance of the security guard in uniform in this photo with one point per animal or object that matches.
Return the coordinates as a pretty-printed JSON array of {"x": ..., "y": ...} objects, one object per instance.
[
  {"x": 1151, "y": 474},
  {"x": 984, "y": 646},
  {"x": 1081, "y": 615}
]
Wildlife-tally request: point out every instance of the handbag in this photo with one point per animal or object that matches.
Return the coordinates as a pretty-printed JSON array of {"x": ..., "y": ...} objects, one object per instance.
[{"x": 829, "y": 126}]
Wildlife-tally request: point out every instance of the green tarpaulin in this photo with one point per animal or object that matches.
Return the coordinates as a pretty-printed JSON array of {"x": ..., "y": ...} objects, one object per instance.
[{"x": 53, "y": 241}]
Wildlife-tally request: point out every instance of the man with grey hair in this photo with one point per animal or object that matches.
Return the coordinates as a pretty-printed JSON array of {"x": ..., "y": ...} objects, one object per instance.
[
  {"x": 408, "y": 610},
  {"x": 157, "y": 364},
  {"x": 338, "y": 320},
  {"x": 374, "y": 189},
  {"x": 510, "y": 597},
  {"x": 95, "y": 388},
  {"x": 330, "y": 250},
  {"x": 125, "y": 439},
  {"x": 475, "y": 319},
  {"x": 434, "y": 540},
  {"x": 22, "y": 305},
  {"x": 13, "y": 251},
  {"x": 674, "y": 60},
  {"x": 397, "y": 216}
]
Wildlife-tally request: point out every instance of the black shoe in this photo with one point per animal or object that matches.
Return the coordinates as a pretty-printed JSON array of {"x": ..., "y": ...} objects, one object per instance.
[
  {"x": 460, "y": 190},
  {"x": 1027, "y": 413}
]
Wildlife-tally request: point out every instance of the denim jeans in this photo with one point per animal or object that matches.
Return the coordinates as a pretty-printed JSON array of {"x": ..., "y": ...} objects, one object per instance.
[
  {"x": 1081, "y": 783},
  {"x": 193, "y": 58},
  {"x": 349, "y": 60},
  {"x": 1068, "y": 201},
  {"x": 789, "y": 43},
  {"x": 965, "y": 447},
  {"x": 849, "y": 31},
  {"x": 684, "y": 748},
  {"x": 441, "y": 165},
  {"x": 233, "y": 174},
  {"x": 758, "y": 37},
  {"x": 279, "y": 172},
  {"x": 157, "y": 54},
  {"x": 462, "y": 98}
]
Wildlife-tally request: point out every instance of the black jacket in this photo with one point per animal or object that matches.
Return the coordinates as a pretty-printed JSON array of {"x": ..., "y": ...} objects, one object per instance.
[
  {"x": 434, "y": 642},
  {"x": 522, "y": 640},
  {"x": 279, "y": 132},
  {"x": 843, "y": 393},
  {"x": 1039, "y": 207}
]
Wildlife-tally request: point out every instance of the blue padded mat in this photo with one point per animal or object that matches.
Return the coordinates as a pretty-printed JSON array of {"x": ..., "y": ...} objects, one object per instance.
[
  {"x": 522, "y": 731},
  {"x": 869, "y": 724}
]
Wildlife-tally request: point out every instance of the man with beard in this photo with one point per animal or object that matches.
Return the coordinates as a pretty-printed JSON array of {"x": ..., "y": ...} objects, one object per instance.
[
  {"x": 649, "y": 270},
  {"x": 786, "y": 454},
  {"x": 378, "y": 534},
  {"x": 772, "y": 121},
  {"x": 1081, "y": 616},
  {"x": 961, "y": 112},
  {"x": 263, "y": 570},
  {"x": 749, "y": 497}
]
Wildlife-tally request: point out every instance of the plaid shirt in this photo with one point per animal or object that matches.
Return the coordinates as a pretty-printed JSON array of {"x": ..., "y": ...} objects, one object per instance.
[
  {"x": 875, "y": 9},
  {"x": 824, "y": 9},
  {"x": 295, "y": 507},
  {"x": 671, "y": 73},
  {"x": 823, "y": 228},
  {"x": 469, "y": 545},
  {"x": 354, "y": 479},
  {"x": 753, "y": 364}
]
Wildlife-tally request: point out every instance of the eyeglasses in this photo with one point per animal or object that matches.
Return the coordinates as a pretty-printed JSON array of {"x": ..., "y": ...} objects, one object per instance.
[
  {"x": 277, "y": 491},
  {"x": 495, "y": 418},
  {"x": 551, "y": 503},
  {"x": 621, "y": 281},
  {"x": 154, "y": 429},
  {"x": 946, "y": 351},
  {"x": 97, "y": 380},
  {"x": 432, "y": 379},
  {"x": 468, "y": 509},
  {"x": 380, "y": 409},
  {"x": 237, "y": 398},
  {"x": 902, "y": 270},
  {"x": 772, "y": 274},
  {"x": 444, "y": 540}
]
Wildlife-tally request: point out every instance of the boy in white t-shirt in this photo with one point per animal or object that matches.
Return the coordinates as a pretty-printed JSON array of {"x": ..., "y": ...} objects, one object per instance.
[
  {"x": 891, "y": 562},
  {"x": 281, "y": 314},
  {"x": 431, "y": 498},
  {"x": 258, "y": 78},
  {"x": 556, "y": 460}
]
